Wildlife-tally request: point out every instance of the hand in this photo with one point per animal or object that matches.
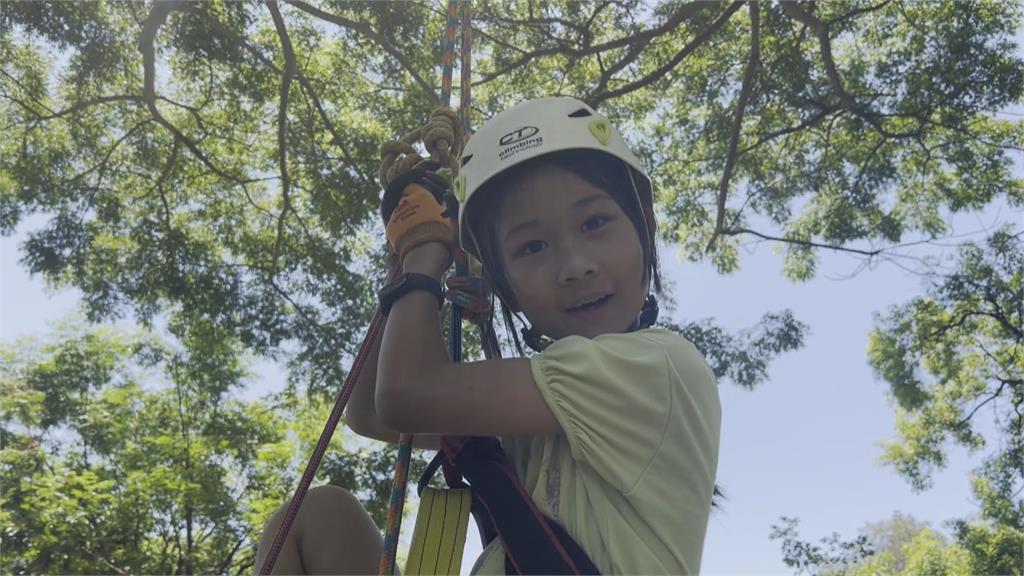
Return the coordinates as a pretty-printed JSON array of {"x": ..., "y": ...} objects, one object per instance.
[{"x": 418, "y": 219}]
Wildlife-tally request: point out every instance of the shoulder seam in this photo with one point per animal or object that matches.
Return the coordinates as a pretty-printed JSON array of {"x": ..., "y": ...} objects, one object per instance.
[{"x": 664, "y": 430}]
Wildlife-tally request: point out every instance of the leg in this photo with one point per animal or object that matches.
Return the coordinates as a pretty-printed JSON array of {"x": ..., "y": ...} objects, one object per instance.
[{"x": 332, "y": 534}]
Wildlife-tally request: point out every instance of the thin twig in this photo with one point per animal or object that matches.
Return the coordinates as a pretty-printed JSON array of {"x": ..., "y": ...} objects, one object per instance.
[
  {"x": 682, "y": 13},
  {"x": 336, "y": 138},
  {"x": 805, "y": 243}
]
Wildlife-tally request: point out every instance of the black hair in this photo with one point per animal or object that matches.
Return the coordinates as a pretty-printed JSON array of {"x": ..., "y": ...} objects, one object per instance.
[{"x": 610, "y": 174}]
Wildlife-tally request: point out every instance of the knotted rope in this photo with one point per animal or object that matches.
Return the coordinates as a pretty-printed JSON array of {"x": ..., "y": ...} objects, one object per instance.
[
  {"x": 472, "y": 294},
  {"x": 441, "y": 136}
]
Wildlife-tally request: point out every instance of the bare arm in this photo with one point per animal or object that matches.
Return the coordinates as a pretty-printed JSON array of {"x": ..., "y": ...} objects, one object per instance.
[
  {"x": 420, "y": 390},
  {"x": 361, "y": 412}
]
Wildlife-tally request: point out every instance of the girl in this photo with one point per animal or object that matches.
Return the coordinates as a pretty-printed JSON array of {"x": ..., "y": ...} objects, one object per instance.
[{"x": 613, "y": 428}]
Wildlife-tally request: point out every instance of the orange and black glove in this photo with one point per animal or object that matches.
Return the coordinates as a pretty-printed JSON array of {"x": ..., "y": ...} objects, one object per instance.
[{"x": 415, "y": 209}]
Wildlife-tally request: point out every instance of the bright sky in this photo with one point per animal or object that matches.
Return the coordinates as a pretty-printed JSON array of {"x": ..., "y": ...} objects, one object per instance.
[{"x": 803, "y": 444}]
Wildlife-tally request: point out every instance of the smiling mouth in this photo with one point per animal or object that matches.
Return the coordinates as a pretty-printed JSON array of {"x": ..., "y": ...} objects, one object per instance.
[{"x": 590, "y": 305}]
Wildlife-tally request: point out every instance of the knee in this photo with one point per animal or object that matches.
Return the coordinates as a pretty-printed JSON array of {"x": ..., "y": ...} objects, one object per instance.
[
  {"x": 330, "y": 497},
  {"x": 320, "y": 500},
  {"x": 330, "y": 506},
  {"x": 324, "y": 509}
]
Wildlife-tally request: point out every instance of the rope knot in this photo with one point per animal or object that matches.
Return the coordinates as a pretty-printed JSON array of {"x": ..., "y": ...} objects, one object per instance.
[{"x": 442, "y": 138}]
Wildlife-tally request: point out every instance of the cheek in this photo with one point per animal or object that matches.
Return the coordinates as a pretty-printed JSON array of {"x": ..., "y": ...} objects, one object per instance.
[
  {"x": 527, "y": 281},
  {"x": 631, "y": 253}
]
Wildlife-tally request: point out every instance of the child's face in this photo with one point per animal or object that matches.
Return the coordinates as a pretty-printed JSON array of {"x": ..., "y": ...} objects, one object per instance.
[{"x": 564, "y": 242}]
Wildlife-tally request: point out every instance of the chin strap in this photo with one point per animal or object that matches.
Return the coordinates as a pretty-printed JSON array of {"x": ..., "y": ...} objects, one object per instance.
[
  {"x": 535, "y": 340},
  {"x": 648, "y": 316},
  {"x": 649, "y": 313}
]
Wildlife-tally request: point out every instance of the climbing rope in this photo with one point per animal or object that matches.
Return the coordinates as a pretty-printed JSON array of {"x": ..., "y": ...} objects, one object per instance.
[
  {"x": 372, "y": 333},
  {"x": 443, "y": 136}
]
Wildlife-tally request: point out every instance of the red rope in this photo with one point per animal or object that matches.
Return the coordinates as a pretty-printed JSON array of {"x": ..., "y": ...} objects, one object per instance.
[{"x": 376, "y": 325}]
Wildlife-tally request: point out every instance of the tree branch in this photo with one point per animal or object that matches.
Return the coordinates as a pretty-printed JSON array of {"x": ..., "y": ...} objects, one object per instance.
[
  {"x": 534, "y": 22},
  {"x": 159, "y": 186},
  {"x": 365, "y": 29},
  {"x": 336, "y": 138},
  {"x": 157, "y": 16},
  {"x": 231, "y": 556},
  {"x": 87, "y": 104},
  {"x": 102, "y": 165},
  {"x": 685, "y": 11},
  {"x": 821, "y": 30},
  {"x": 995, "y": 395},
  {"x": 27, "y": 91},
  {"x": 282, "y": 126},
  {"x": 220, "y": 28},
  {"x": 699, "y": 40},
  {"x": 628, "y": 58},
  {"x": 857, "y": 12},
  {"x": 106, "y": 562},
  {"x": 747, "y": 87},
  {"x": 806, "y": 243}
]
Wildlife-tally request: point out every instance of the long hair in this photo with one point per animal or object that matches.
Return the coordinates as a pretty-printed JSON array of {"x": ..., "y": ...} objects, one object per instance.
[{"x": 611, "y": 175}]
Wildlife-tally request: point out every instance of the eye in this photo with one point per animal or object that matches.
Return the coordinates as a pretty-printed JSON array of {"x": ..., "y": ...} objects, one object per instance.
[
  {"x": 530, "y": 248},
  {"x": 595, "y": 222}
]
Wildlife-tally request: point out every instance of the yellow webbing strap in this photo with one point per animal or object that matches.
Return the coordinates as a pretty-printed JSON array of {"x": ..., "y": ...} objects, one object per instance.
[{"x": 440, "y": 533}]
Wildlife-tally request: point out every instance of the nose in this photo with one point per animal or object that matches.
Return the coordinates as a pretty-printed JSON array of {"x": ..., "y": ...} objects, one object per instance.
[{"x": 576, "y": 265}]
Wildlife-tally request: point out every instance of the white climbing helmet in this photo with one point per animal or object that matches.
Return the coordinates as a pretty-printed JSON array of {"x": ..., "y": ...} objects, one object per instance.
[{"x": 531, "y": 129}]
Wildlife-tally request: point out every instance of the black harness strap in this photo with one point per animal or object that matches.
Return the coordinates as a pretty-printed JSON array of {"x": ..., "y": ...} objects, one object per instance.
[{"x": 533, "y": 543}]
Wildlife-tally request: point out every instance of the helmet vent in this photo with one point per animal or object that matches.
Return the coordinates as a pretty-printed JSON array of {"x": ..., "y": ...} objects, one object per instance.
[
  {"x": 466, "y": 159},
  {"x": 582, "y": 112}
]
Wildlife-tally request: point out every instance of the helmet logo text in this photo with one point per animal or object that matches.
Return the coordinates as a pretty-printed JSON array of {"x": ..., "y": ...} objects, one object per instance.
[{"x": 518, "y": 135}]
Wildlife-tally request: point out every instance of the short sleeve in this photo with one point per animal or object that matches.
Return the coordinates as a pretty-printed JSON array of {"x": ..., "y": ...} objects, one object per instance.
[{"x": 612, "y": 397}]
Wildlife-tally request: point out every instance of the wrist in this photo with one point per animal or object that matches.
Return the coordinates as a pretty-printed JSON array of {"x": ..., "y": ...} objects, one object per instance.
[
  {"x": 406, "y": 283},
  {"x": 432, "y": 259}
]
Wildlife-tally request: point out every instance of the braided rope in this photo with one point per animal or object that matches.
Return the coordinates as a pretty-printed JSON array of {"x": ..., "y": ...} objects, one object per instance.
[
  {"x": 442, "y": 137},
  {"x": 396, "y": 506},
  {"x": 465, "y": 97},
  {"x": 472, "y": 294}
]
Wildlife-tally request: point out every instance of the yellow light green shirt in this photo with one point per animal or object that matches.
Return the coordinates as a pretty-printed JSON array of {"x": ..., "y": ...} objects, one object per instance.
[{"x": 631, "y": 474}]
